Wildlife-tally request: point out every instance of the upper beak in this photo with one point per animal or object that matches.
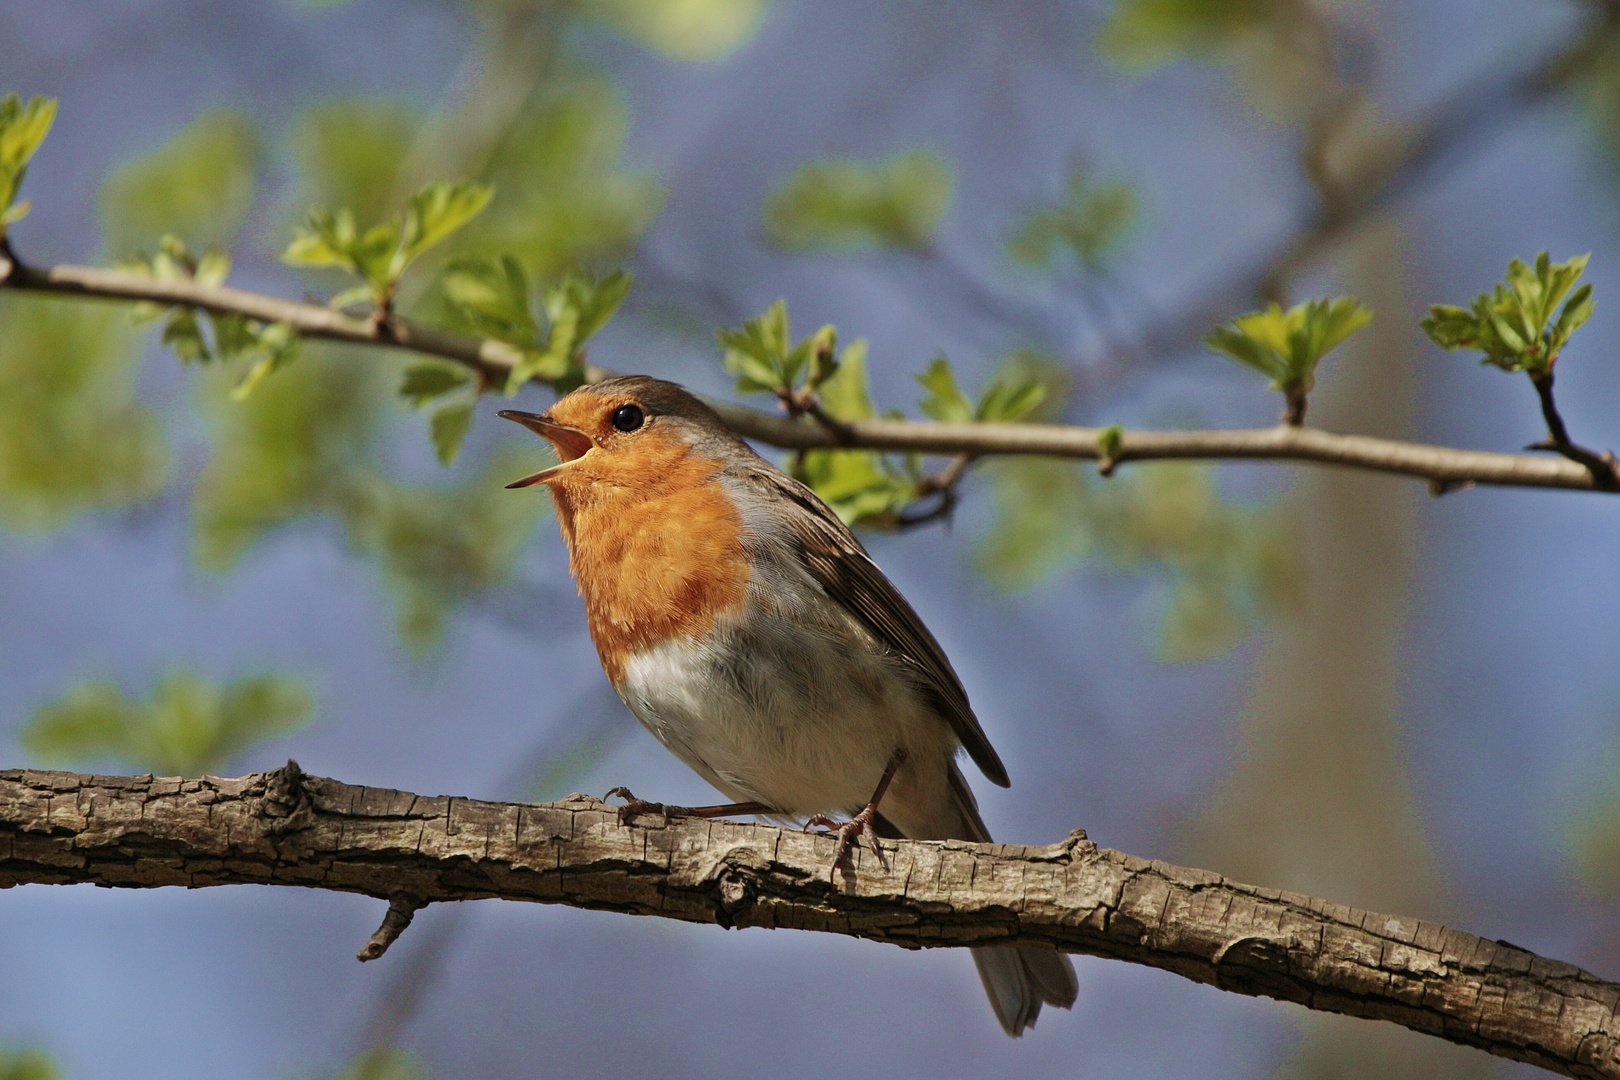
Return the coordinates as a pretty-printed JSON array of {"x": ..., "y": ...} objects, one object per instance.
[{"x": 570, "y": 443}]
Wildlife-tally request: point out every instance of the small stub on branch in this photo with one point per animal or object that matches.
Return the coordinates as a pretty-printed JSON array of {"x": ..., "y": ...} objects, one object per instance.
[
  {"x": 402, "y": 908},
  {"x": 285, "y": 804}
]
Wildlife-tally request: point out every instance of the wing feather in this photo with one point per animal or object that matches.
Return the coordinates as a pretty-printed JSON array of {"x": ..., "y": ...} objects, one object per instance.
[{"x": 836, "y": 559}]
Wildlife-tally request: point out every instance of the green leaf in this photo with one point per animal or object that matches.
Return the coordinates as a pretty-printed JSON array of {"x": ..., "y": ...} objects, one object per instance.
[
  {"x": 1009, "y": 399},
  {"x": 280, "y": 347},
  {"x": 1514, "y": 325},
  {"x": 22, "y": 129},
  {"x": 430, "y": 379},
  {"x": 577, "y": 306},
  {"x": 187, "y": 727},
  {"x": 1110, "y": 440},
  {"x": 835, "y": 205},
  {"x": 183, "y": 334},
  {"x": 450, "y": 426},
  {"x": 490, "y": 297},
  {"x": 381, "y": 253},
  {"x": 1287, "y": 345},
  {"x": 72, "y": 437},
  {"x": 945, "y": 400},
  {"x": 197, "y": 187},
  {"x": 858, "y": 484},
  {"x": 432, "y": 214}
]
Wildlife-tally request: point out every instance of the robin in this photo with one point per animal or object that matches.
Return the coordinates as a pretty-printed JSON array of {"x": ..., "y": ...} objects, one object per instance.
[{"x": 745, "y": 627}]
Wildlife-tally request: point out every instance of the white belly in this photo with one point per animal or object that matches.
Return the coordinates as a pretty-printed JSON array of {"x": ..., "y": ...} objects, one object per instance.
[{"x": 802, "y": 721}]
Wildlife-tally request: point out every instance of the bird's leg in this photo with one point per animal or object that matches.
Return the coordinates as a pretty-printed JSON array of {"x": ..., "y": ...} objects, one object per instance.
[
  {"x": 633, "y": 806},
  {"x": 862, "y": 822}
]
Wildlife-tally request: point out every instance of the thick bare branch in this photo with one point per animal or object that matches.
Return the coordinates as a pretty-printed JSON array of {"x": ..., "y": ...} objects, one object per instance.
[
  {"x": 285, "y": 828},
  {"x": 1443, "y": 467}
]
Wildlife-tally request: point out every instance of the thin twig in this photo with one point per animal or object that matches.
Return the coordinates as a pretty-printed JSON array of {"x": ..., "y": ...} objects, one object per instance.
[
  {"x": 1603, "y": 467},
  {"x": 943, "y": 484},
  {"x": 494, "y": 359}
]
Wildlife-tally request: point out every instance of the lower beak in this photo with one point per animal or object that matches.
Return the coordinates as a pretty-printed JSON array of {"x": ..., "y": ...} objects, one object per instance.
[{"x": 570, "y": 443}]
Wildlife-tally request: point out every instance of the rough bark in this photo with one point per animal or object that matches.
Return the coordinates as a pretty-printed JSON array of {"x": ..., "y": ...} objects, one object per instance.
[{"x": 285, "y": 828}]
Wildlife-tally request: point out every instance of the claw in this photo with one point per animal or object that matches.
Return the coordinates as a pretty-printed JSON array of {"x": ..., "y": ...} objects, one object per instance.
[
  {"x": 633, "y": 806},
  {"x": 846, "y": 831}
]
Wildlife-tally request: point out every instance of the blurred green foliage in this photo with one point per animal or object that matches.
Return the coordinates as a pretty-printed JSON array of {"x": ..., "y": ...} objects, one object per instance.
[
  {"x": 197, "y": 186},
  {"x": 563, "y": 198},
  {"x": 22, "y": 129},
  {"x": 72, "y": 437},
  {"x": 1092, "y": 217},
  {"x": 845, "y": 205},
  {"x": 1226, "y": 565},
  {"x": 1515, "y": 325},
  {"x": 383, "y": 1063},
  {"x": 683, "y": 29},
  {"x": 28, "y": 1063},
  {"x": 1145, "y": 33},
  {"x": 287, "y": 452},
  {"x": 351, "y": 154},
  {"x": 1287, "y": 345},
  {"x": 186, "y": 728},
  {"x": 441, "y": 545}
]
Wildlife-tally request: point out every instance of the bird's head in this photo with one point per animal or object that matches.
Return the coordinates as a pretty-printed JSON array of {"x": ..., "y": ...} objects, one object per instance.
[{"x": 624, "y": 435}]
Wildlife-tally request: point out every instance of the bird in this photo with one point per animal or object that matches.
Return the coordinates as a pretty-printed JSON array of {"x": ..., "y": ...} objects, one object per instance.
[{"x": 746, "y": 627}]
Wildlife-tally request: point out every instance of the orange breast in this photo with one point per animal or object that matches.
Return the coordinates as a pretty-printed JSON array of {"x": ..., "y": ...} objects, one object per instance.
[{"x": 655, "y": 546}]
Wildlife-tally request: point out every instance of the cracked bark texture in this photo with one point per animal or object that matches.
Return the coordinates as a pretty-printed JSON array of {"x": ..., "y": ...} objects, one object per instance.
[{"x": 285, "y": 828}]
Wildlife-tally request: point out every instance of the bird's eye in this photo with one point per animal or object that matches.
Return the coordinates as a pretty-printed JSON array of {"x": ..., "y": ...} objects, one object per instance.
[{"x": 628, "y": 417}]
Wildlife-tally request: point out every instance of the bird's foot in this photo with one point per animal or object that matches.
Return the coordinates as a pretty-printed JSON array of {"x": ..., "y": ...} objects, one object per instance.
[
  {"x": 847, "y": 831},
  {"x": 633, "y": 806}
]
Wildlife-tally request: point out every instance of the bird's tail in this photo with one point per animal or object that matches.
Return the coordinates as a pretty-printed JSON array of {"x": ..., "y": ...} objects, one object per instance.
[{"x": 1018, "y": 981}]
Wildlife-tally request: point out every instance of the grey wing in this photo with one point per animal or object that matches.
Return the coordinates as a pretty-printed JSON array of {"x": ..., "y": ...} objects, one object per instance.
[{"x": 838, "y": 562}]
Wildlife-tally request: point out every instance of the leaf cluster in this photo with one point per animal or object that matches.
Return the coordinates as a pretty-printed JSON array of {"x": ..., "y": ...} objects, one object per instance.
[
  {"x": 1286, "y": 346},
  {"x": 22, "y": 129},
  {"x": 864, "y": 486},
  {"x": 1009, "y": 397},
  {"x": 1517, "y": 325},
  {"x": 843, "y": 204},
  {"x": 198, "y": 336},
  {"x": 379, "y": 254},
  {"x": 492, "y": 297},
  {"x": 763, "y": 357},
  {"x": 187, "y": 727}
]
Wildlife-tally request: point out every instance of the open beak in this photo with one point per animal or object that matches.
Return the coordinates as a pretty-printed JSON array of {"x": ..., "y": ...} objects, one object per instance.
[{"x": 570, "y": 443}]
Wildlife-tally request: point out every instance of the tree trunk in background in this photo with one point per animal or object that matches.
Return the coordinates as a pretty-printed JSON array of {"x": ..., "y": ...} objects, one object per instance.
[{"x": 1319, "y": 799}]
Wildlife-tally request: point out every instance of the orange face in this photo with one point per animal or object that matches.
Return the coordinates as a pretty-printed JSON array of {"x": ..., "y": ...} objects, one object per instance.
[{"x": 653, "y": 540}]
